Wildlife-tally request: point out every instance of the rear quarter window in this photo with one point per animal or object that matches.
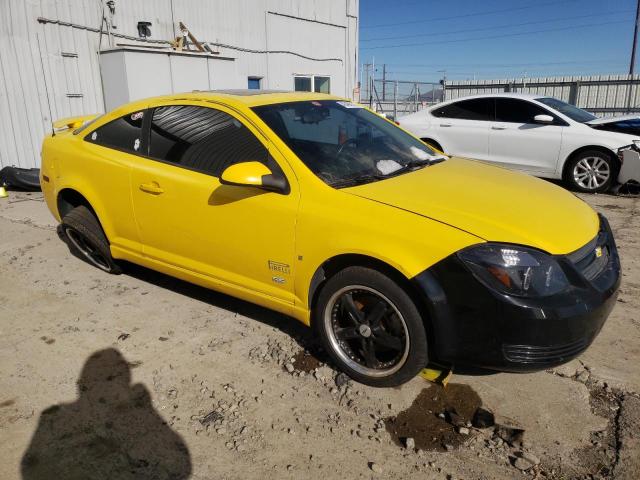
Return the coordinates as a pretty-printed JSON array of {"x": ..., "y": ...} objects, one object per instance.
[{"x": 124, "y": 133}]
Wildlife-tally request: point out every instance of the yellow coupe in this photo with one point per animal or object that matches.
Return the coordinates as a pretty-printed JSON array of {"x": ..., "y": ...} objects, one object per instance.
[{"x": 320, "y": 209}]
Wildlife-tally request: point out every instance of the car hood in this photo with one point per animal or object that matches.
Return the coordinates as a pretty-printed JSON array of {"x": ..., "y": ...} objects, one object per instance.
[
  {"x": 491, "y": 203},
  {"x": 605, "y": 120}
]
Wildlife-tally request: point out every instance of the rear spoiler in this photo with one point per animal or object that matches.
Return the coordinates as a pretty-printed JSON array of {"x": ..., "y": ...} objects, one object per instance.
[{"x": 71, "y": 123}]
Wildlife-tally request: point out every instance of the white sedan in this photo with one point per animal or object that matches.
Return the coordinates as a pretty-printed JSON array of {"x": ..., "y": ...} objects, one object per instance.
[{"x": 540, "y": 135}]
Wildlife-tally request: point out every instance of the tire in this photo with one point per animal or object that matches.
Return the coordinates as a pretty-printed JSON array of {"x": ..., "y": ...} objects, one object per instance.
[
  {"x": 591, "y": 171},
  {"x": 433, "y": 144},
  {"x": 86, "y": 238},
  {"x": 359, "y": 311}
]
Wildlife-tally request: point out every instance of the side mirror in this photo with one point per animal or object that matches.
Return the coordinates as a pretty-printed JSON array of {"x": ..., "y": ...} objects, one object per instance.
[
  {"x": 253, "y": 174},
  {"x": 544, "y": 119}
]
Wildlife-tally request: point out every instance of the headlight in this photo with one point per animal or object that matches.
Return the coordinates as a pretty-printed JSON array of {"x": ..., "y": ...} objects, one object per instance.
[{"x": 515, "y": 270}]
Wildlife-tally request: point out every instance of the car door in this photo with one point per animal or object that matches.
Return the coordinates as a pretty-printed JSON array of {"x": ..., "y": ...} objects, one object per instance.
[
  {"x": 243, "y": 236},
  {"x": 463, "y": 127},
  {"x": 516, "y": 141},
  {"x": 108, "y": 154}
]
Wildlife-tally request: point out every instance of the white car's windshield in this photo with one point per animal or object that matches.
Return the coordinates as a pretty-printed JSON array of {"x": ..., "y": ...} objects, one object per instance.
[
  {"x": 343, "y": 143},
  {"x": 571, "y": 111}
]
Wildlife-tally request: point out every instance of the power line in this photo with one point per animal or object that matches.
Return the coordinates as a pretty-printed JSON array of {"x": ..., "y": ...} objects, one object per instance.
[
  {"x": 439, "y": 65},
  {"x": 467, "y": 72},
  {"x": 167, "y": 42},
  {"x": 571, "y": 27},
  {"x": 479, "y": 67},
  {"x": 466, "y": 15},
  {"x": 510, "y": 25}
]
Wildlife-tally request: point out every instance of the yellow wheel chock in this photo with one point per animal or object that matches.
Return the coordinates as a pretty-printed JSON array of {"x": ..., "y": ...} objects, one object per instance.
[{"x": 436, "y": 374}]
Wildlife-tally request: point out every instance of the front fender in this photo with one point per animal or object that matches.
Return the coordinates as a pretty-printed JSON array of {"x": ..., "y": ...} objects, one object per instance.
[{"x": 404, "y": 241}]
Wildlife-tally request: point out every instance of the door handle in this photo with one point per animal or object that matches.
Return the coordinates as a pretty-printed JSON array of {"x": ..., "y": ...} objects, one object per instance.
[
  {"x": 495, "y": 127},
  {"x": 445, "y": 124},
  {"x": 152, "y": 187}
]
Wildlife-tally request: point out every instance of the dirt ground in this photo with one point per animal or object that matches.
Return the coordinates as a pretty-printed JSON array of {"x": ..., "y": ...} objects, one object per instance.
[{"x": 144, "y": 376}]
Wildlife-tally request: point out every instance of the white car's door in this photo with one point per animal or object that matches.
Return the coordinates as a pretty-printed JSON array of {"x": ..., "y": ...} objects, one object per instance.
[
  {"x": 516, "y": 141},
  {"x": 462, "y": 128}
]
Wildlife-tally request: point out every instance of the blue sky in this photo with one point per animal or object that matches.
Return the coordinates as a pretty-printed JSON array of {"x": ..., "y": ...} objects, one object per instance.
[{"x": 496, "y": 38}]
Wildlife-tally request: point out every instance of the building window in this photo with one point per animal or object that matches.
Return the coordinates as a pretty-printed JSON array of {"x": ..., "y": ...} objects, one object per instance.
[
  {"x": 312, "y": 83},
  {"x": 321, "y": 84},
  {"x": 303, "y": 84},
  {"x": 253, "y": 83}
]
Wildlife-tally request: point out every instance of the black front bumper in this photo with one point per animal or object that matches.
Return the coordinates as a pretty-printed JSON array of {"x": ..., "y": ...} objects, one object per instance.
[{"x": 473, "y": 325}]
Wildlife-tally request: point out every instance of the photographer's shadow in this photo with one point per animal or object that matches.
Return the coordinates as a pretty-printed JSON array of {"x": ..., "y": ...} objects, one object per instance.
[{"x": 110, "y": 432}]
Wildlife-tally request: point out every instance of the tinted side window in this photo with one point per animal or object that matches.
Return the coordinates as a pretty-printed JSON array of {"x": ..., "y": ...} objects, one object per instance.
[
  {"x": 124, "y": 133},
  {"x": 476, "y": 109},
  {"x": 202, "y": 139},
  {"x": 517, "y": 111}
]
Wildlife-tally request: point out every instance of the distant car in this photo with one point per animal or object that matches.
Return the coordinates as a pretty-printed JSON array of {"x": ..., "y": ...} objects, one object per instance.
[
  {"x": 629, "y": 124},
  {"x": 539, "y": 135},
  {"x": 322, "y": 210}
]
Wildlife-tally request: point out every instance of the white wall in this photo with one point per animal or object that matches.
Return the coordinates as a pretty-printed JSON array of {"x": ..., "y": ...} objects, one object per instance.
[{"x": 50, "y": 71}]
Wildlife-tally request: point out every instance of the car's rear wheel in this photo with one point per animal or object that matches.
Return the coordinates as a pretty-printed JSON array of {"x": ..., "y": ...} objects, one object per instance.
[
  {"x": 371, "y": 327},
  {"x": 591, "y": 171},
  {"x": 86, "y": 237}
]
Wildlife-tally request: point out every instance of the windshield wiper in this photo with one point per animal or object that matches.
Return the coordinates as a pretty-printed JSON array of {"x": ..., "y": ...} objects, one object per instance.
[
  {"x": 416, "y": 164},
  {"x": 409, "y": 166},
  {"x": 359, "y": 180}
]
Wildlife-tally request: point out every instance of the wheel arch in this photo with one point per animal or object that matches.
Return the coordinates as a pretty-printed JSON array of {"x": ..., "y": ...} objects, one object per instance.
[
  {"x": 69, "y": 198},
  {"x": 580, "y": 150},
  {"x": 433, "y": 141},
  {"x": 339, "y": 262}
]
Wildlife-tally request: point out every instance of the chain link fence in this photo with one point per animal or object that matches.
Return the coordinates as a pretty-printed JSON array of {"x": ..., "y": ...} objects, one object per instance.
[{"x": 396, "y": 98}]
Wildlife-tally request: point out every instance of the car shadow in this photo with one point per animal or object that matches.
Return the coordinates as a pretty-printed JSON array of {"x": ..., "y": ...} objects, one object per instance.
[
  {"x": 302, "y": 335},
  {"x": 111, "y": 431},
  {"x": 288, "y": 325}
]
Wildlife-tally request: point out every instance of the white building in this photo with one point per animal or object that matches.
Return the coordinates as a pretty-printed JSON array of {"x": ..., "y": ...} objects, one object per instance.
[{"x": 58, "y": 58}]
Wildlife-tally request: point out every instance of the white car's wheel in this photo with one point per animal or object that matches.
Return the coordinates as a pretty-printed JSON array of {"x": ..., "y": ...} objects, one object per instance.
[{"x": 591, "y": 171}]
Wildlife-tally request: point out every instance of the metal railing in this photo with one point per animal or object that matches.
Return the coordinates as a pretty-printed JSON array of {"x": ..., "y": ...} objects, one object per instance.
[{"x": 603, "y": 95}]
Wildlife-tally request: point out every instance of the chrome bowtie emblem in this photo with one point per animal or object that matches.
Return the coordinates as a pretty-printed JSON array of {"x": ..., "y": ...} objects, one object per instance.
[{"x": 364, "y": 330}]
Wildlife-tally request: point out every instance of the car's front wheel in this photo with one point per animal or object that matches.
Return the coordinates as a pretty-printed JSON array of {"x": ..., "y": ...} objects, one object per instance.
[
  {"x": 591, "y": 171},
  {"x": 371, "y": 327}
]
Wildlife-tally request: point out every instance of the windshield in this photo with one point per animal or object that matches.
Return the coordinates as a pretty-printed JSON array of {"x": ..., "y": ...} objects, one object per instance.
[
  {"x": 571, "y": 111},
  {"x": 343, "y": 143}
]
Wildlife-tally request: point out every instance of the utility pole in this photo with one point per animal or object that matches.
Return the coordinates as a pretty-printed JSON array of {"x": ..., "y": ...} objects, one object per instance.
[
  {"x": 365, "y": 81},
  {"x": 384, "y": 80},
  {"x": 635, "y": 38},
  {"x": 632, "y": 65},
  {"x": 443, "y": 82}
]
